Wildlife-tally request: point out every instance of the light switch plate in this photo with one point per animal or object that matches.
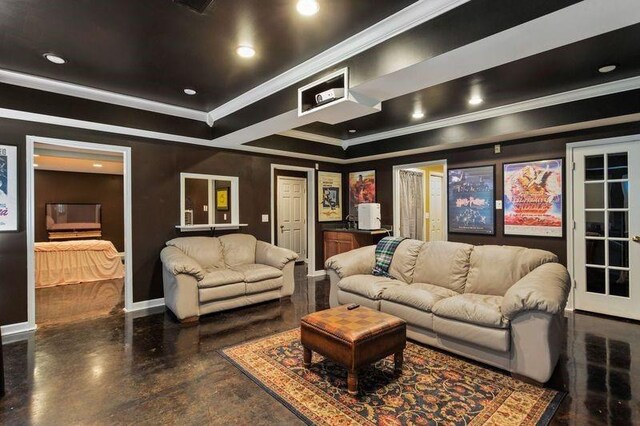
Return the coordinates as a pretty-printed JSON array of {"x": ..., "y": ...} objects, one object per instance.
[
  {"x": 265, "y": 218},
  {"x": 224, "y": 216},
  {"x": 498, "y": 204},
  {"x": 497, "y": 149},
  {"x": 205, "y": 208}
]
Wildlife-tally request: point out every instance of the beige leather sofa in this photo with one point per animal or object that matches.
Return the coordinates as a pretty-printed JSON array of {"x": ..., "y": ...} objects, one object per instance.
[
  {"x": 499, "y": 305},
  {"x": 205, "y": 274}
]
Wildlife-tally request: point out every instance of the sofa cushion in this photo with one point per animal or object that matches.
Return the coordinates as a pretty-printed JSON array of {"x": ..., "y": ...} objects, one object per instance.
[
  {"x": 473, "y": 308},
  {"x": 219, "y": 277},
  {"x": 238, "y": 249},
  {"x": 210, "y": 294},
  {"x": 264, "y": 285},
  {"x": 207, "y": 251},
  {"x": 444, "y": 264},
  {"x": 412, "y": 316},
  {"x": 494, "y": 269},
  {"x": 497, "y": 339},
  {"x": 404, "y": 260},
  {"x": 255, "y": 272},
  {"x": 346, "y": 298},
  {"x": 419, "y": 296},
  {"x": 368, "y": 286}
]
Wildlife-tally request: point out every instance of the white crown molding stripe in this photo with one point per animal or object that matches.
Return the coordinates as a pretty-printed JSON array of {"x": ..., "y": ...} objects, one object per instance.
[
  {"x": 84, "y": 92},
  {"x": 409, "y": 17},
  {"x": 618, "y": 86},
  {"x": 312, "y": 137}
]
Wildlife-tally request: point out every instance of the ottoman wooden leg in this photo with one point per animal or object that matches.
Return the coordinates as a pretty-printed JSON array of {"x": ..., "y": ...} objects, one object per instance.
[
  {"x": 307, "y": 357},
  {"x": 352, "y": 382},
  {"x": 398, "y": 359}
]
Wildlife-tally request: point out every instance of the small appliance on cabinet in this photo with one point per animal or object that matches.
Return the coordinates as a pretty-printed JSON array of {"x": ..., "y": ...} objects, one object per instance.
[{"x": 369, "y": 216}]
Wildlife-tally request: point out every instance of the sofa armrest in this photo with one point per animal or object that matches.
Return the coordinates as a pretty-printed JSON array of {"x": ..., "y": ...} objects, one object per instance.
[
  {"x": 278, "y": 257},
  {"x": 545, "y": 289},
  {"x": 358, "y": 261},
  {"x": 176, "y": 262}
]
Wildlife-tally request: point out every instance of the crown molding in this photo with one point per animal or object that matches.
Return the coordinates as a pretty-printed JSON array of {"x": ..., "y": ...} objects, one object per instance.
[
  {"x": 409, "y": 17},
  {"x": 617, "y": 86},
  {"x": 84, "y": 92},
  {"x": 297, "y": 134}
]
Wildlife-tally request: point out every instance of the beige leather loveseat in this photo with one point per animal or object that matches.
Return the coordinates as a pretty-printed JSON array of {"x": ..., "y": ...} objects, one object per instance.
[
  {"x": 499, "y": 305},
  {"x": 205, "y": 274}
]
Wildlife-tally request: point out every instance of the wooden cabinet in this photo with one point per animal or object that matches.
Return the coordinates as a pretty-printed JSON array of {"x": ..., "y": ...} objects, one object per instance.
[{"x": 336, "y": 242}]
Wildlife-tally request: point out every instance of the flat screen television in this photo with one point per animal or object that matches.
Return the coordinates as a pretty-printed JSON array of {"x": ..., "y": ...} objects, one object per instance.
[{"x": 73, "y": 217}]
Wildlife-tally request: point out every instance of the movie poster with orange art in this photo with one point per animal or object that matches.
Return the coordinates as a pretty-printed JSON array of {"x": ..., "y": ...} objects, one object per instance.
[
  {"x": 362, "y": 189},
  {"x": 533, "y": 198}
]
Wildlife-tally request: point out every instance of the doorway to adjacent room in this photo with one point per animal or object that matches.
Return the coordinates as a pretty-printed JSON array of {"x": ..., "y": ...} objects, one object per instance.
[{"x": 419, "y": 200}]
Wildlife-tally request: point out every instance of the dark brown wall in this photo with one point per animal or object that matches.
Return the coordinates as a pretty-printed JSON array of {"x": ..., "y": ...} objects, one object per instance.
[
  {"x": 156, "y": 167},
  {"x": 65, "y": 187},
  {"x": 532, "y": 149}
]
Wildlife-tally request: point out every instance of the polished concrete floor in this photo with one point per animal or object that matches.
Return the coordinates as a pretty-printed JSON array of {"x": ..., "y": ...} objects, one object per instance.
[{"x": 145, "y": 368}]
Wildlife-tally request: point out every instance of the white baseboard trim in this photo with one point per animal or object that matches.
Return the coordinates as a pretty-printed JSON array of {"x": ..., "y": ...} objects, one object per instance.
[
  {"x": 21, "y": 327},
  {"x": 145, "y": 304},
  {"x": 320, "y": 273}
]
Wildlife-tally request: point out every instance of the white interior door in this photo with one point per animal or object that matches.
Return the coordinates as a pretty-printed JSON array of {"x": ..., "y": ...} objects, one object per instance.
[
  {"x": 436, "y": 209},
  {"x": 292, "y": 215},
  {"x": 606, "y": 233}
]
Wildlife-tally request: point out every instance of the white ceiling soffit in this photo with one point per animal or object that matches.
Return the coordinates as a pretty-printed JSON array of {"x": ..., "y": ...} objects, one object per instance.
[
  {"x": 312, "y": 137},
  {"x": 588, "y": 18},
  {"x": 84, "y": 92},
  {"x": 409, "y": 17}
]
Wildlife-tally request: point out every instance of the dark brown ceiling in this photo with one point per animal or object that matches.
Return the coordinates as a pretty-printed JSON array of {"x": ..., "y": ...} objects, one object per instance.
[
  {"x": 559, "y": 70},
  {"x": 155, "y": 48}
]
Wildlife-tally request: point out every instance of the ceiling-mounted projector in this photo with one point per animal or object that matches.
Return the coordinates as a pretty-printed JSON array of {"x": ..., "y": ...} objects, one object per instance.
[{"x": 329, "y": 95}]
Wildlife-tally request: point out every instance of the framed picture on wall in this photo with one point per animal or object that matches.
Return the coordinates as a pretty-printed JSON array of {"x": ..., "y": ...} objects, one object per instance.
[
  {"x": 8, "y": 188},
  {"x": 222, "y": 199},
  {"x": 329, "y": 196},
  {"x": 470, "y": 199},
  {"x": 362, "y": 189},
  {"x": 533, "y": 198}
]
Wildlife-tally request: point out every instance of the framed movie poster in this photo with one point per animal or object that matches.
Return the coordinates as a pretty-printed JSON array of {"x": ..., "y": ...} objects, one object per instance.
[
  {"x": 8, "y": 188},
  {"x": 533, "y": 198},
  {"x": 362, "y": 189},
  {"x": 471, "y": 195},
  {"x": 329, "y": 196}
]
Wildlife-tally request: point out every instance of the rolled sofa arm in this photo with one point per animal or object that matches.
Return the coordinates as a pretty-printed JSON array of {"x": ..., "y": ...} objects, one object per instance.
[
  {"x": 358, "y": 261},
  {"x": 278, "y": 257},
  {"x": 176, "y": 262},
  {"x": 545, "y": 289}
]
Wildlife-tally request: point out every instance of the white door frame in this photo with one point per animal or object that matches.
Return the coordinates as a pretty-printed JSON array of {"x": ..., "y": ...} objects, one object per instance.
[
  {"x": 305, "y": 209},
  {"x": 570, "y": 202},
  {"x": 444, "y": 201},
  {"x": 30, "y": 218},
  {"x": 396, "y": 191},
  {"x": 311, "y": 213}
]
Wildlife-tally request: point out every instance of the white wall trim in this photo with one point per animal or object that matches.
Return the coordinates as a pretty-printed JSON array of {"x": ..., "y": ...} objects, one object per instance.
[
  {"x": 312, "y": 137},
  {"x": 20, "y": 327},
  {"x": 411, "y": 16},
  {"x": 318, "y": 273},
  {"x": 311, "y": 209},
  {"x": 146, "y": 304},
  {"x": 30, "y": 191},
  {"x": 618, "y": 86},
  {"x": 85, "y": 92}
]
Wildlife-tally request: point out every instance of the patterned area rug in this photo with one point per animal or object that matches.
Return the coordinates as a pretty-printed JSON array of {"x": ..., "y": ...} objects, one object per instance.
[{"x": 434, "y": 388}]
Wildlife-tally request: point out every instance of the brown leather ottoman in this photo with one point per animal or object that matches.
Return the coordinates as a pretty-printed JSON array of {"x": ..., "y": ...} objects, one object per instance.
[{"x": 353, "y": 338}]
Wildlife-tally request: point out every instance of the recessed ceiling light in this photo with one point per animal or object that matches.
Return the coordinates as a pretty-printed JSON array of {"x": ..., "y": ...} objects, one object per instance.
[
  {"x": 189, "y": 92},
  {"x": 98, "y": 165},
  {"x": 308, "y": 7},
  {"x": 352, "y": 130},
  {"x": 417, "y": 115},
  {"x": 58, "y": 60},
  {"x": 607, "y": 68},
  {"x": 475, "y": 100},
  {"x": 245, "y": 51}
]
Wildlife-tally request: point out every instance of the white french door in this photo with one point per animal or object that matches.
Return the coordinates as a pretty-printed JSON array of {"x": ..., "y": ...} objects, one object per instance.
[
  {"x": 606, "y": 234},
  {"x": 292, "y": 215},
  {"x": 436, "y": 206}
]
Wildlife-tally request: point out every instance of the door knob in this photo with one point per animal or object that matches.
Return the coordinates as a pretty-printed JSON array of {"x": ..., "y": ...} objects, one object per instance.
[
  {"x": 281, "y": 228},
  {"x": 636, "y": 238}
]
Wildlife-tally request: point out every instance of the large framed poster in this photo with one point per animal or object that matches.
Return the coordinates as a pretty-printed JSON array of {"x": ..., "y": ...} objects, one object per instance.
[
  {"x": 362, "y": 189},
  {"x": 533, "y": 198},
  {"x": 471, "y": 194},
  {"x": 329, "y": 196},
  {"x": 8, "y": 188}
]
